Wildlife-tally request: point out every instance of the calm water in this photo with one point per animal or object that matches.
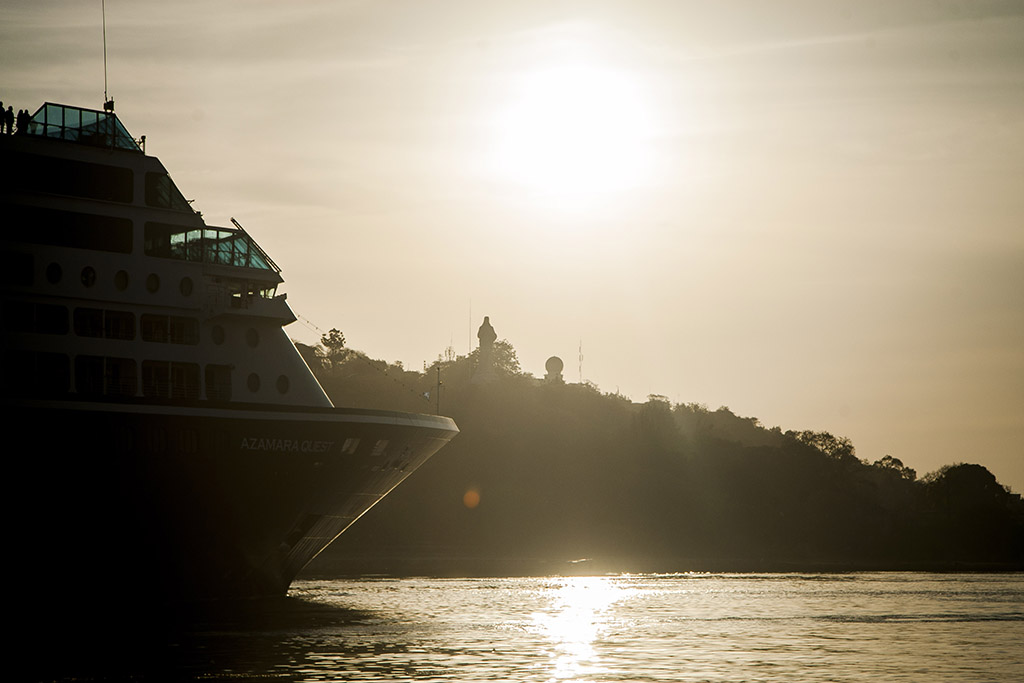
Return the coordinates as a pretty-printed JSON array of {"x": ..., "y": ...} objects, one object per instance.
[{"x": 688, "y": 627}]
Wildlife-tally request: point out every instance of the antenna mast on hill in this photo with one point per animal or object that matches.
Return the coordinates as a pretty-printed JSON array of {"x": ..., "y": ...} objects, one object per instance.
[
  {"x": 581, "y": 361},
  {"x": 108, "y": 104}
]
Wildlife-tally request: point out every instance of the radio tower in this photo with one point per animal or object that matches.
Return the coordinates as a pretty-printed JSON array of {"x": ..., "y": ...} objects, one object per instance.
[{"x": 581, "y": 361}]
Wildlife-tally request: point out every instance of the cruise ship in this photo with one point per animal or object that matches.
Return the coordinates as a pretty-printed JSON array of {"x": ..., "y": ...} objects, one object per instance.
[{"x": 164, "y": 436}]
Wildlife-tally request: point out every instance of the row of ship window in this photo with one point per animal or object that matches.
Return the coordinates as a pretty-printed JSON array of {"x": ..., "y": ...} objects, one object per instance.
[
  {"x": 54, "y": 274},
  {"x": 31, "y": 373},
  {"x": 89, "y": 180},
  {"x": 180, "y": 242},
  {"x": 27, "y": 316},
  {"x": 21, "y": 271}
]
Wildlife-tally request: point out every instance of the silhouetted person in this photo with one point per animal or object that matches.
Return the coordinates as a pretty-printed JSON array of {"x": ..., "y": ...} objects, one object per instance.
[
  {"x": 9, "y": 120},
  {"x": 23, "y": 120},
  {"x": 1, "y": 118}
]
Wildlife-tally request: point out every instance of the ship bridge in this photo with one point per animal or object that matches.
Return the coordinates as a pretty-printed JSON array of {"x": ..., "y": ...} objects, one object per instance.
[
  {"x": 246, "y": 277},
  {"x": 211, "y": 245}
]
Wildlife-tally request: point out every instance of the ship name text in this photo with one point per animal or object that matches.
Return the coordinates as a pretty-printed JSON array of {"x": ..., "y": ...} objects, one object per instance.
[{"x": 259, "y": 443}]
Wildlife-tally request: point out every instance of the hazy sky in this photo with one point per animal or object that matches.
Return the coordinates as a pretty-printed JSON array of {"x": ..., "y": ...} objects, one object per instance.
[{"x": 810, "y": 212}]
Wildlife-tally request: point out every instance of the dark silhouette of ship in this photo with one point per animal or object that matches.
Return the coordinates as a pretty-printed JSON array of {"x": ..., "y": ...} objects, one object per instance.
[{"x": 163, "y": 432}]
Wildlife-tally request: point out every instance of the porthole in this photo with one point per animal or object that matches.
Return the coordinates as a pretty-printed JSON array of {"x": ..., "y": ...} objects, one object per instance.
[
  {"x": 254, "y": 382},
  {"x": 88, "y": 276},
  {"x": 121, "y": 280},
  {"x": 252, "y": 337},
  {"x": 152, "y": 282},
  {"x": 54, "y": 273},
  {"x": 217, "y": 334},
  {"x": 186, "y": 286},
  {"x": 283, "y": 384}
]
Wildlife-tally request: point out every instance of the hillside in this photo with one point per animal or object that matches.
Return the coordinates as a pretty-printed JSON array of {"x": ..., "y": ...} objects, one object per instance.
[{"x": 550, "y": 477}]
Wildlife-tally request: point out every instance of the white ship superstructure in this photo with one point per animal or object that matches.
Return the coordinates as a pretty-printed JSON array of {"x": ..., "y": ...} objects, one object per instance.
[{"x": 153, "y": 302}]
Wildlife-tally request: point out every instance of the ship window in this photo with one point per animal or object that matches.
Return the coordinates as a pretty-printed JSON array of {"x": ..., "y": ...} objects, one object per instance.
[
  {"x": 19, "y": 268},
  {"x": 152, "y": 283},
  {"x": 54, "y": 273},
  {"x": 121, "y": 280},
  {"x": 156, "y": 379},
  {"x": 283, "y": 384},
  {"x": 253, "y": 382},
  {"x": 185, "y": 286},
  {"x": 89, "y": 375},
  {"x": 95, "y": 322},
  {"x": 184, "y": 330},
  {"x": 222, "y": 246},
  {"x": 162, "y": 379},
  {"x": 52, "y": 175},
  {"x": 84, "y": 126},
  {"x": 237, "y": 290},
  {"x": 71, "y": 229},
  {"x": 173, "y": 329},
  {"x": 218, "y": 382},
  {"x": 154, "y": 328},
  {"x": 88, "y": 276},
  {"x": 119, "y": 377},
  {"x": 89, "y": 322},
  {"x": 252, "y": 337},
  {"x": 118, "y": 325},
  {"x": 185, "y": 380},
  {"x": 161, "y": 192}
]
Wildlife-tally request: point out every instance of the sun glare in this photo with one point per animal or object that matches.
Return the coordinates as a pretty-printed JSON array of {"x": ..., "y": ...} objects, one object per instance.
[
  {"x": 578, "y": 614},
  {"x": 572, "y": 133}
]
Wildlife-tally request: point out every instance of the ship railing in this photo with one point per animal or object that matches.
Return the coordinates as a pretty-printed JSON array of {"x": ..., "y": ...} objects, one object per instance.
[{"x": 243, "y": 298}]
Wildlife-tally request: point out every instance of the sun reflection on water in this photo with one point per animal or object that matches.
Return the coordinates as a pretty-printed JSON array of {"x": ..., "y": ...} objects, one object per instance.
[{"x": 578, "y": 613}]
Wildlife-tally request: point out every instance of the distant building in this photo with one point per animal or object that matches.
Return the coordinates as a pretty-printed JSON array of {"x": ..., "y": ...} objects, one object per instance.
[{"x": 554, "y": 367}]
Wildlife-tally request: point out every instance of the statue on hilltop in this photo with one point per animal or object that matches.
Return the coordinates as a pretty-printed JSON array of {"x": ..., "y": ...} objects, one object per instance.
[{"x": 485, "y": 363}]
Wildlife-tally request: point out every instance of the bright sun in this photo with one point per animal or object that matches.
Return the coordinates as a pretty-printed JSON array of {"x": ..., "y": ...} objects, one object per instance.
[{"x": 569, "y": 134}]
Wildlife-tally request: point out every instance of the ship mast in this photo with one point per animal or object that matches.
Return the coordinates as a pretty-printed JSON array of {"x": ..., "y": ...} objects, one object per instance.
[{"x": 108, "y": 104}]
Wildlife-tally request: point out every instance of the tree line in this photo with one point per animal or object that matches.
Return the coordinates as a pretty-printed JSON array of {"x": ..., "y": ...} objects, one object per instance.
[{"x": 549, "y": 477}]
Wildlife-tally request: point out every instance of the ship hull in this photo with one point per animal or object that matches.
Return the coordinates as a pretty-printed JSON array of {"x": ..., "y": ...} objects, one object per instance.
[{"x": 192, "y": 503}]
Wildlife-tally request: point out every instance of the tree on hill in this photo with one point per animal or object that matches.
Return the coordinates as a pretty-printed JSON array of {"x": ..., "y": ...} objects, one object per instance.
[
  {"x": 838, "y": 448},
  {"x": 896, "y": 465},
  {"x": 333, "y": 348}
]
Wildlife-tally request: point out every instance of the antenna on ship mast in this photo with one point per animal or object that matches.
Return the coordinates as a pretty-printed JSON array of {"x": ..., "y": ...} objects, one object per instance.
[{"x": 108, "y": 104}]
